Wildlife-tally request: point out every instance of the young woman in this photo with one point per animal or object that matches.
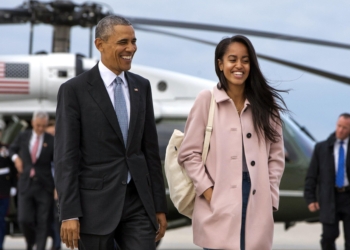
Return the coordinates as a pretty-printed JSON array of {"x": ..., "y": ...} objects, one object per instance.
[{"x": 238, "y": 186}]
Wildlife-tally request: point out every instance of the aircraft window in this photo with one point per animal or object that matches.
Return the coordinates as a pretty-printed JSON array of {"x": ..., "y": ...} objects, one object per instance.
[
  {"x": 301, "y": 139},
  {"x": 289, "y": 153},
  {"x": 162, "y": 86},
  {"x": 62, "y": 73}
]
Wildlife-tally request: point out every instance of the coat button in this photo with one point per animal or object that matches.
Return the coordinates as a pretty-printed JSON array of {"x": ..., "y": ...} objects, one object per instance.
[
  {"x": 249, "y": 135},
  {"x": 254, "y": 191},
  {"x": 124, "y": 182},
  {"x": 252, "y": 163}
]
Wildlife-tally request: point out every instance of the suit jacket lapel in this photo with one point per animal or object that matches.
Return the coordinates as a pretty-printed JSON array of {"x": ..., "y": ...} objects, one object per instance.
[
  {"x": 43, "y": 147},
  {"x": 134, "y": 104},
  {"x": 28, "y": 136},
  {"x": 99, "y": 93}
]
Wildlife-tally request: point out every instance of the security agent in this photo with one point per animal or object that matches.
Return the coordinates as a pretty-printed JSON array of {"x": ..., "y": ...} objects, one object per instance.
[{"x": 329, "y": 173}]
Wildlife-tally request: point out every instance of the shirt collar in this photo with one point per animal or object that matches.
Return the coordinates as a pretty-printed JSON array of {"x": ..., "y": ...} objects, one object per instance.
[
  {"x": 346, "y": 141},
  {"x": 108, "y": 76},
  {"x": 36, "y": 135},
  {"x": 221, "y": 95}
]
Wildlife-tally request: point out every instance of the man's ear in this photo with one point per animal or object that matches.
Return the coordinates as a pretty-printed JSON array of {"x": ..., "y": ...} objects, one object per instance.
[{"x": 99, "y": 44}]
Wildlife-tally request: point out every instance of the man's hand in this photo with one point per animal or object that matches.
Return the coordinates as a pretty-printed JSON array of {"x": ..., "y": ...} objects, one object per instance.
[
  {"x": 70, "y": 230},
  {"x": 19, "y": 165},
  {"x": 161, "y": 219},
  {"x": 314, "y": 206},
  {"x": 208, "y": 193}
]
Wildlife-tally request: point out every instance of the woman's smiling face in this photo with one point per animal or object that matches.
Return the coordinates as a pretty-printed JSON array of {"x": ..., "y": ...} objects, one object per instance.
[{"x": 235, "y": 64}]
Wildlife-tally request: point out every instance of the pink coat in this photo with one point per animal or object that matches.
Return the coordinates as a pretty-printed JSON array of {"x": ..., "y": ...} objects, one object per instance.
[{"x": 217, "y": 225}]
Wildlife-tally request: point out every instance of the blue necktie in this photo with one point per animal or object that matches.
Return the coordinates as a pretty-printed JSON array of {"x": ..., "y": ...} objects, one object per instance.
[
  {"x": 341, "y": 164},
  {"x": 121, "y": 111},
  {"x": 120, "y": 108}
]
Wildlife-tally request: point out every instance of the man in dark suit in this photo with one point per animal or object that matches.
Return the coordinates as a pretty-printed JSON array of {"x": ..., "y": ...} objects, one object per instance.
[
  {"x": 107, "y": 167},
  {"x": 7, "y": 184},
  {"x": 32, "y": 153},
  {"x": 329, "y": 173}
]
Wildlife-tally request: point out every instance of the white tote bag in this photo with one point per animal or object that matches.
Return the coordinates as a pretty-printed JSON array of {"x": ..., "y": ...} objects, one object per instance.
[{"x": 181, "y": 187}]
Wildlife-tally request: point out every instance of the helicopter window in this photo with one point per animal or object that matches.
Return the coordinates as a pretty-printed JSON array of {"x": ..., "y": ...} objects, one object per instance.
[
  {"x": 162, "y": 86},
  {"x": 289, "y": 153},
  {"x": 303, "y": 141},
  {"x": 62, "y": 73}
]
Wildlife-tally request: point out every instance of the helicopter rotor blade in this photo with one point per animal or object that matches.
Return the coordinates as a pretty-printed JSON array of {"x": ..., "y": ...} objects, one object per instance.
[
  {"x": 218, "y": 28},
  {"x": 318, "y": 72},
  {"x": 88, "y": 14}
]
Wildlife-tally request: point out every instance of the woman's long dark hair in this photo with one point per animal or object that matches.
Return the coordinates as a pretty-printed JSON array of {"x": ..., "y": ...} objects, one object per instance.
[{"x": 263, "y": 98}]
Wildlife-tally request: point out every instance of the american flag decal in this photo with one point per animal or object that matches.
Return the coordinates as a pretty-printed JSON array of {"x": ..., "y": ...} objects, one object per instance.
[{"x": 14, "y": 78}]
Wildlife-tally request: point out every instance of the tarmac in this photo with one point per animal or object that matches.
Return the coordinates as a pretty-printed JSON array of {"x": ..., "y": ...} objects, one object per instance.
[{"x": 302, "y": 236}]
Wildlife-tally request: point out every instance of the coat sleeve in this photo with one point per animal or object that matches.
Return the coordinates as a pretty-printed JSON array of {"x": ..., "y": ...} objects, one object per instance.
[
  {"x": 66, "y": 152},
  {"x": 311, "y": 178},
  {"x": 15, "y": 145},
  {"x": 276, "y": 166},
  {"x": 150, "y": 149},
  {"x": 190, "y": 153}
]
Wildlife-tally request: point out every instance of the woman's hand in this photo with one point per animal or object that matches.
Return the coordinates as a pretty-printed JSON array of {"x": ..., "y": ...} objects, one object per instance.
[{"x": 208, "y": 193}]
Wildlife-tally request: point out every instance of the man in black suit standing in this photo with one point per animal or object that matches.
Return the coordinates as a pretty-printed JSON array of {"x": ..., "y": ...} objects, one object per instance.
[
  {"x": 32, "y": 153},
  {"x": 107, "y": 167},
  {"x": 329, "y": 173}
]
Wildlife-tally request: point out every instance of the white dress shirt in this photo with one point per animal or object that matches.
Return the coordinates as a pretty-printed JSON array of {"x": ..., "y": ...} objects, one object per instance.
[{"x": 336, "y": 157}]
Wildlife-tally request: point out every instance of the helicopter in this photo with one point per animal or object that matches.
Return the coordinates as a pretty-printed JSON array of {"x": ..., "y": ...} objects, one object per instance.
[{"x": 173, "y": 93}]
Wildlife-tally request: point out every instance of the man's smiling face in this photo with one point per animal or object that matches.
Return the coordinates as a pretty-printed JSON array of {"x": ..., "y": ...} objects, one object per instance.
[{"x": 117, "y": 52}]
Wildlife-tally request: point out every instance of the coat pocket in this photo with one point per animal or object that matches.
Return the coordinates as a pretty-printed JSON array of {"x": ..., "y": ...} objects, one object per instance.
[{"x": 91, "y": 183}]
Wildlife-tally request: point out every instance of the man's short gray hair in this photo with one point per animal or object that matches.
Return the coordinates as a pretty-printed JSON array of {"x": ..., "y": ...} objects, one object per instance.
[
  {"x": 40, "y": 114},
  {"x": 105, "y": 26}
]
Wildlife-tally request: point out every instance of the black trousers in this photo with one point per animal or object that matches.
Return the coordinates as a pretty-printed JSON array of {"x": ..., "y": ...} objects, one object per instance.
[
  {"x": 34, "y": 208},
  {"x": 330, "y": 232},
  {"x": 134, "y": 231}
]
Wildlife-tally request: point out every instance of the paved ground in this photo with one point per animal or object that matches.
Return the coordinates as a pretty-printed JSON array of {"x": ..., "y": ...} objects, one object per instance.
[{"x": 300, "y": 237}]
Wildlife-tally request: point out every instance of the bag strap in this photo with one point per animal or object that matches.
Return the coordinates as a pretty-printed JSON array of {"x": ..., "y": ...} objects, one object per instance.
[{"x": 209, "y": 128}]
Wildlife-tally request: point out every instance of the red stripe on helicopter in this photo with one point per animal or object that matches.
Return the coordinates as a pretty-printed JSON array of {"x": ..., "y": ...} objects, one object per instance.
[{"x": 14, "y": 78}]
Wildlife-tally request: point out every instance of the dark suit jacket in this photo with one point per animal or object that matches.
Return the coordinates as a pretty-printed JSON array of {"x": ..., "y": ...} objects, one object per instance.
[
  {"x": 42, "y": 166},
  {"x": 320, "y": 179},
  {"x": 7, "y": 180},
  {"x": 91, "y": 161}
]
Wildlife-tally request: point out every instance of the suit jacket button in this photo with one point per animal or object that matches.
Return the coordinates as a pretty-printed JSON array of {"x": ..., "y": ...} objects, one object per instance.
[
  {"x": 124, "y": 182},
  {"x": 254, "y": 191},
  {"x": 249, "y": 135},
  {"x": 252, "y": 163}
]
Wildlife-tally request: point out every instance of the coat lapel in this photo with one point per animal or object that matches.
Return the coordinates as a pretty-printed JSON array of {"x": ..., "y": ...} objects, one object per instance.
[
  {"x": 99, "y": 93},
  {"x": 43, "y": 147},
  {"x": 28, "y": 136},
  {"x": 134, "y": 92}
]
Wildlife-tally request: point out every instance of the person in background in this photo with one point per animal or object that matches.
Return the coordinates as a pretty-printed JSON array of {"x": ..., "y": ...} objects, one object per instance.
[
  {"x": 8, "y": 177},
  {"x": 246, "y": 156},
  {"x": 32, "y": 153},
  {"x": 327, "y": 186}
]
